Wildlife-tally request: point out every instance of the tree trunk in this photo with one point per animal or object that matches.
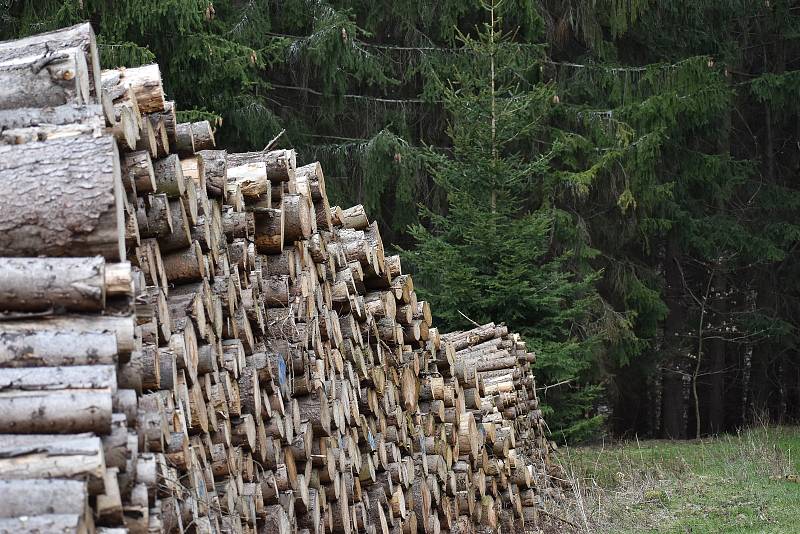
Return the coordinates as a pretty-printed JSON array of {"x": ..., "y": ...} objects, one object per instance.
[
  {"x": 269, "y": 230},
  {"x": 215, "y": 164},
  {"x": 139, "y": 166},
  {"x": 169, "y": 176},
  {"x": 68, "y": 457},
  {"x": 67, "y": 115},
  {"x": 64, "y": 199},
  {"x": 281, "y": 164},
  {"x": 34, "y": 347},
  {"x": 252, "y": 180},
  {"x": 89, "y": 125},
  {"x": 144, "y": 82},
  {"x": 48, "y": 80},
  {"x": 80, "y": 36},
  {"x": 297, "y": 218},
  {"x": 35, "y": 284},
  {"x": 203, "y": 136},
  {"x": 57, "y": 399},
  {"x": 715, "y": 409},
  {"x": 181, "y": 236},
  {"x": 153, "y": 216},
  {"x": 46, "y": 332},
  {"x": 673, "y": 407},
  {"x": 184, "y": 139},
  {"x": 355, "y": 218},
  {"x": 42, "y": 496}
]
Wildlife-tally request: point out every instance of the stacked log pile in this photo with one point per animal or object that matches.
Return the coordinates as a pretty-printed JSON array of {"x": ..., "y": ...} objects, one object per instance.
[{"x": 196, "y": 341}]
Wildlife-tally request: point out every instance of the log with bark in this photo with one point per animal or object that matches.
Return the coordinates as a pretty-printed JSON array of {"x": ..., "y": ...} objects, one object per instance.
[
  {"x": 75, "y": 211},
  {"x": 260, "y": 365}
]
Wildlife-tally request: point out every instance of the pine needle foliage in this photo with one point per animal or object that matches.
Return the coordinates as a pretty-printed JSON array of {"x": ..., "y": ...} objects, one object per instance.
[{"x": 496, "y": 240}]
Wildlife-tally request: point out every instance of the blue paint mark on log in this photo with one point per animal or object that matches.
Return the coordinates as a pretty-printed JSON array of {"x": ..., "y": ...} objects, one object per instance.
[{"x": 281, "y": 371}]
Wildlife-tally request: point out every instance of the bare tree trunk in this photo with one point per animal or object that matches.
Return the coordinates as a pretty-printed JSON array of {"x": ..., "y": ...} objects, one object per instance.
[{"x": 673, "y": 422}]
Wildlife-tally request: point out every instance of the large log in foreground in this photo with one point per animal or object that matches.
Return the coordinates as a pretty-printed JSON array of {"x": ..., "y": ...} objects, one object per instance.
[
  {"x": 196, "y": 341},
  {"x": 66, "y": 199}
]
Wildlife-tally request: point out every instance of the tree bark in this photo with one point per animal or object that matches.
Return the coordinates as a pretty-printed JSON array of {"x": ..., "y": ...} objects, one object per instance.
[
  {"x": 144, "y": 82},
  {"x": 35, "y": 284},
  {"x": 80, "y": 36},
  {"x": 297, "y": 218},
  {"x": 57, "y": 399},
  {"x": 269, "y": 230},
  {"x": 169, "y": 176},
  {"x": 215, "y": 163},
  {"x": 62, "y": 523},
  {"x": 185, "y": 265},
  {"x": 181, "y": 236},
  {"x": 44, "y": 333},
  {"x": 170, "y": 120},
  {"x": 49, "y": 80},
  {"x": 355, "y": 218},
  {"x": 42, "y": 496},
  {"x": 64, "y": 199},
  {"x": 67, "y": 115},
  {"x": 17, "y": 136},
  {"x": 139, "y": 166},
  {"x": 252, "y": 180},
  {"x": 203, "y": 136},
  {"x": 67, "y": 457},
  {"x": 184, "y": 139},
  {"x": 153, "y": 216},
  {"x": 281, "y": 164},
  {"x": 34, "y": 347}
]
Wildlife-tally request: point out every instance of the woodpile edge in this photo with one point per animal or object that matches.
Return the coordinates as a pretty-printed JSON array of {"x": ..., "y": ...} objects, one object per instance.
[{"x": 196, "y": 341}]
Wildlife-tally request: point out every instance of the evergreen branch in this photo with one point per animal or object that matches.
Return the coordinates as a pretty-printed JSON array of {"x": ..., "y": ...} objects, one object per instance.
[
  {"x": 372, "y": 45},
  {"x": 352, "y": 141},
  {"x": 360, "y": 97},
  {"x": 644, "y": 68},
  {"x": 401, "y": 48}
]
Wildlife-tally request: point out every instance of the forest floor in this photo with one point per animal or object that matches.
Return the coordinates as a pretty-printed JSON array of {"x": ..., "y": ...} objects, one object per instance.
[{"x": 736, "y": 483}]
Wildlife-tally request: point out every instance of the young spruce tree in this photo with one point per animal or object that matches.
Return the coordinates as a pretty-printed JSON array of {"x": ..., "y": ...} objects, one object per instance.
[{"x": 491, "y": 255}]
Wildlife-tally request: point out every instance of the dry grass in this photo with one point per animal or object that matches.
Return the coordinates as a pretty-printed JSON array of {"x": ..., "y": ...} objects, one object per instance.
[{"x": 727, "y": 484}]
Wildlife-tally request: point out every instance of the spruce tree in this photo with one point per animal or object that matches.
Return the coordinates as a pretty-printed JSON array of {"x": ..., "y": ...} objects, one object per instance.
[{"x": 492, "y": 255}]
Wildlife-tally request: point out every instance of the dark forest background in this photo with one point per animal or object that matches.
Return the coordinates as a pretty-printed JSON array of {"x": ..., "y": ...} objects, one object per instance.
[{"x": 616, "y": 179}]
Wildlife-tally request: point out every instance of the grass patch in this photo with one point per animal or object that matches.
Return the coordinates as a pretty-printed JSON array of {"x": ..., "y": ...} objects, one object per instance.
[{"x": 733, "y": 483}]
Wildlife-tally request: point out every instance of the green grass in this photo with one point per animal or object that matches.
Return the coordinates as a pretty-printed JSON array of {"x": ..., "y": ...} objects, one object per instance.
[{"x": 727, "y": 484}]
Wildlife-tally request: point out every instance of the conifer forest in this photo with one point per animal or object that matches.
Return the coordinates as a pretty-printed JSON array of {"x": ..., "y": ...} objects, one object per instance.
[{"x": 617, "y": 181}]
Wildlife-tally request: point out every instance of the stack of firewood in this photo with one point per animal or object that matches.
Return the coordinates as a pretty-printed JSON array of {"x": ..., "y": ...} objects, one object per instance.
[{"x": 192, "y": 340}]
